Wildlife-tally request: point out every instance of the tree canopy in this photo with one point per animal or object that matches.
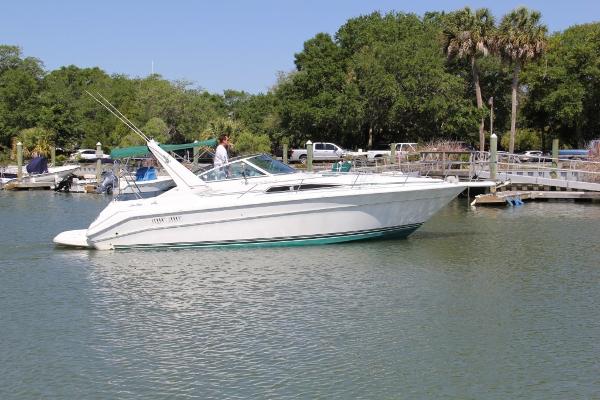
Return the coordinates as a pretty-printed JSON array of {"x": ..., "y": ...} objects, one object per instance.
[{"x": 381, "y": 78}]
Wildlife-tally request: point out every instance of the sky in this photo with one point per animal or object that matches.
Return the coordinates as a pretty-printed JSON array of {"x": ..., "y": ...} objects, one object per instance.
[{"x": 215, "y": 45}]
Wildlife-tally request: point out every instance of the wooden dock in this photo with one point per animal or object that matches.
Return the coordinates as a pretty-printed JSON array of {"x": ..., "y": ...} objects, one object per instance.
[
  {"x": 16, "y": 185},
  {"x": 511, "y": 197},
  {"x": 77, "y": 185}
]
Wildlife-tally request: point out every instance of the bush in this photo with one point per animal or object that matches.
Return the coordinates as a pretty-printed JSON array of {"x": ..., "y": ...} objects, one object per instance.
[
  {"x": 60, "y": 159},
  {"x": 525, "y": 139},
  {"x": 247, "y": 143},
  {"x": 37, "y": 140}
]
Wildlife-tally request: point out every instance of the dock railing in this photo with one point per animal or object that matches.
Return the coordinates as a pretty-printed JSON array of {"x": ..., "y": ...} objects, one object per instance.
[
  {"x": 472, "y": 165},
  {"x": 469, "y": 165},
  {"x": 547, "y": 171}
]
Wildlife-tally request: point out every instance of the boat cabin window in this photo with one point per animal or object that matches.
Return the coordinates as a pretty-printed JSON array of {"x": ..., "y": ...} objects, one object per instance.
[
  {"x": 309, "y": 186},
  {"x": 235, "y": 170}
]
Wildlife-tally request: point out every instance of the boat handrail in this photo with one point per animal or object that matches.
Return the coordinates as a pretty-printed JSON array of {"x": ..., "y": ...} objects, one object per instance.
[{"x": 247, "y": 191}]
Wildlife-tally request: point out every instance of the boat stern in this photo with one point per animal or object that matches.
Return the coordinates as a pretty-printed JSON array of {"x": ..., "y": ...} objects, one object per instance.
[{"x": 76, "y": 238}]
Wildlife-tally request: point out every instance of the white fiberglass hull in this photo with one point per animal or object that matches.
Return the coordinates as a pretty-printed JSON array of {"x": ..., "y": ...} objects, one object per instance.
[{"x": 286, "y": 218}]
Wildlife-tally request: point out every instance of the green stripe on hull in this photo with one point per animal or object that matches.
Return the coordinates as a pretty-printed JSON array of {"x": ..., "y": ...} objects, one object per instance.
[{"x": 387, "y": 233}]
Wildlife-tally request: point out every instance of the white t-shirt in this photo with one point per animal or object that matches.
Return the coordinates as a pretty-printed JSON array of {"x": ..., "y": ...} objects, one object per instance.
[{"x": 220, "y": 156}]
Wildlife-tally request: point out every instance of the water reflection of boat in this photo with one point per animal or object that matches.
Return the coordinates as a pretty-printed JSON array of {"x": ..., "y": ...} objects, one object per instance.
[{"x": 261, "y": 201}]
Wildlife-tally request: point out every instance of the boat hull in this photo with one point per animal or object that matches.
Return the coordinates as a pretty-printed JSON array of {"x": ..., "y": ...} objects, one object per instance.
[
  {"x": 54, "y": 175},
  {"x": 329, "y": 238},
  {"x": 283, "y": 221}
]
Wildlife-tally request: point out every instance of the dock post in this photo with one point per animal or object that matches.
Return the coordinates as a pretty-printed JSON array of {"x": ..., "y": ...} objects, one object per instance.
[
  {"x": 444, "y": 164},
  {"x": 98, "y": 162},
  {"x": 553, "y": 174},
  {"x": 285, "y": 153},
  {"x": 393, "y": 153},
  {"x": 53, "y": 156},
  {"x": 493, "y": 158},
  {"x": 309, "y": 156},
  {"x": 195, "y": 152},
  {"x": 19, "y": 161}
]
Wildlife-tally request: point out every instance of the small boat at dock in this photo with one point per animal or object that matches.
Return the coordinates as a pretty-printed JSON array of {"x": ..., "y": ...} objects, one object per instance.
[{"x": 10, "y": 181}]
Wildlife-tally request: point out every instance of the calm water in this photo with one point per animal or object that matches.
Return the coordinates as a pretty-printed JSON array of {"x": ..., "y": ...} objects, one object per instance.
[{"x": 493, "y": 303}]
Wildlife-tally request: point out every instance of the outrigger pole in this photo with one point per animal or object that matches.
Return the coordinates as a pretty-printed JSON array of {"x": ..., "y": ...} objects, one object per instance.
[
  {"x": 114, "y": 111},
  {"x": 184, "y": 178}
]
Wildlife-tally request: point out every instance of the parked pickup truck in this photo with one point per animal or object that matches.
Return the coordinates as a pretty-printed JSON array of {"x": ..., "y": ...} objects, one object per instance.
[
  {"x": 402, "y": 149},
  {"x": 322, "y": 151}
]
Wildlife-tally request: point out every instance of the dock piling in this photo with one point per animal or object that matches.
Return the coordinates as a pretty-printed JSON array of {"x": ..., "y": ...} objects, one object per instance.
[
  {"x": 309, "y": 156},
  {"x": 493, "y": 158},
  {"x": 195, "y": 153},
  {"x": 553, "y": 174},
  {"x": 98, "y": 162},
  {"x": 19, "y": 161}
]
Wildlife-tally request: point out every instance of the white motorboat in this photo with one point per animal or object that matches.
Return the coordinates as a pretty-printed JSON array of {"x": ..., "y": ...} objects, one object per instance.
[
  {"x": 145, "y": 183},
  {"x": 260, "y": 201},
  {"x": 54, "y": 174}
]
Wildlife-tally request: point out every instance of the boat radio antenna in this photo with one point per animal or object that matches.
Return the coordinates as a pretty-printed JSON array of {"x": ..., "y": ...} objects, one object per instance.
[{"x": 114, "y": 111}]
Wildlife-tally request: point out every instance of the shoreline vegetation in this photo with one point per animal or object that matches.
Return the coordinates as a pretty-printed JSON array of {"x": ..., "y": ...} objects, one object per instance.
[{"x": 381, "y": 78}]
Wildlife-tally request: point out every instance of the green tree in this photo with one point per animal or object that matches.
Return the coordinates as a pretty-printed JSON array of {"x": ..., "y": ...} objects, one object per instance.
[
  {"x": 309, "y": 97},
  {"x": 469, "y": 35},
  {"x": 248, "y": 143},
  {"x": 20, "y": 83},
  {"x": 382, "y": 79},
  {"x": 564, "y": 88},
  {"x": 67, "y": 109},
  {"x": 525, "y": 139},
  {"x": 37, "y": 140},
  {"x": 521, "y": 38},
  {"x": 156, "y": 129}
]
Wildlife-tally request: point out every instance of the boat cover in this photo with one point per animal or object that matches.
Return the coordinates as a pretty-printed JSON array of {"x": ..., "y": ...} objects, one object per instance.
[
  {"x": 140, "y": 151},
  {"x": 145, "y": 174},
  {"x": 39, "y": 165}
]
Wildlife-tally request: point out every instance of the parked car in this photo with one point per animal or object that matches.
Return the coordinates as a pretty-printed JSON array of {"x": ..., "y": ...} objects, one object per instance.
[
  {"x": 322, "y": 151},
  {"x": 532, "y": 155},
  {"x": 86, "y": 154},
  {"x": 402, "y": 150}
]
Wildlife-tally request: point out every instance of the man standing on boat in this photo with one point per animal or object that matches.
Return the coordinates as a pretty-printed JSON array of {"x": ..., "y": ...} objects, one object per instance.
[{"x": 221, "y": 157}]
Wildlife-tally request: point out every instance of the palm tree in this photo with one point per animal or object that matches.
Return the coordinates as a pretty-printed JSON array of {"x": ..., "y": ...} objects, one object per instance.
[
  {"x": 468, "y": 35},
  {"x": 521, "y": 38}
]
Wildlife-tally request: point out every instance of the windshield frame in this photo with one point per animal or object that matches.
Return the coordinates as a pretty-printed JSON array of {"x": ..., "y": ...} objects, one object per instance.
[{"x": 221, "y": 175}]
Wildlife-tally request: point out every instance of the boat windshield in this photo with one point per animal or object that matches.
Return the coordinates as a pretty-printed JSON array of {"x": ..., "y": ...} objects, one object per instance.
[
  {"x": 260, "y": 165},
  {"x": 271, "y": 165}
]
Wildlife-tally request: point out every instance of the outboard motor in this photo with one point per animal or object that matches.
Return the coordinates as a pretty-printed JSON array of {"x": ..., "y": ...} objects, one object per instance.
[
  {"x": 65, "y": 184},
  {"x": 109, "y": 181}
]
